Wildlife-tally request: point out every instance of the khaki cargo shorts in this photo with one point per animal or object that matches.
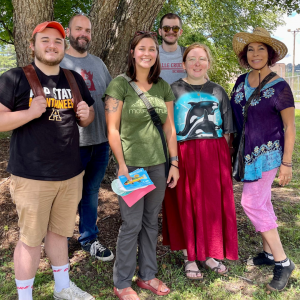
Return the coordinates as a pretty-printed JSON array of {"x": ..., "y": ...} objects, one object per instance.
[{"x": 45, "y": 205}]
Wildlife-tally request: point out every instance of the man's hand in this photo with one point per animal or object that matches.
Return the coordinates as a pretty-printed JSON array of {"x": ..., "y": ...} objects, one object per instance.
[
  {"x": 37, "y": 107},
  {"x": 83, "y": 111}
]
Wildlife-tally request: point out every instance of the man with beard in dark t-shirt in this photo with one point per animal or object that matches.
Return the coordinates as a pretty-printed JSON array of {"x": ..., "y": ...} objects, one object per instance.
[{"x": 46, "y": 180}]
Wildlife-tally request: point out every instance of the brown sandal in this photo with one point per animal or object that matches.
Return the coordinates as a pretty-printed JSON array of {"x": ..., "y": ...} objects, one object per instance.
[
  {"x": 125, "y": 292},
  {"x": 215, "y": 269},
  {"x": 191, "y": 271}
]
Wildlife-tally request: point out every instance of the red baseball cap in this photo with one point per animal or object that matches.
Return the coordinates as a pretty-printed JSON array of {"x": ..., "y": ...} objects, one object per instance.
[{"x": 51, "y": 24}]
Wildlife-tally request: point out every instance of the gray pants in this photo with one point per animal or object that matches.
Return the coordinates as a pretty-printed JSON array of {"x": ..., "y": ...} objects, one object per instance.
[{"x": 140, "y": 225}]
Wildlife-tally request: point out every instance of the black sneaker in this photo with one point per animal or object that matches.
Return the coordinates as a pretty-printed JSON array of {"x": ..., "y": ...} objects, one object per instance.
[
  {"x": 260, "y": 259},
  {"x": 281, "y": 277},
  {"x": 98, "y": 251}
]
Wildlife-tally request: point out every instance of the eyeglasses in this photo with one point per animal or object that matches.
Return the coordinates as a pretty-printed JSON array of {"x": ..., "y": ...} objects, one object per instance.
[
  {"x": 145, "y": 32},
  {"x": 168, "y": 28},
  {"x": 193, "y": 60}
]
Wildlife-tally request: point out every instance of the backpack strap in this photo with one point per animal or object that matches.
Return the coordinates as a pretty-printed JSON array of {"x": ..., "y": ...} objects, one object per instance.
[
  {"x": 37, "y": 88},
  {"x": 74, "y": 88},
  {"x": 33, "y": 81}
]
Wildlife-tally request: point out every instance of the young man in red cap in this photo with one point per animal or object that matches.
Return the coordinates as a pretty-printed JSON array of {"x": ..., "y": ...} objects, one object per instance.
[{"x": 46, "y": 181}]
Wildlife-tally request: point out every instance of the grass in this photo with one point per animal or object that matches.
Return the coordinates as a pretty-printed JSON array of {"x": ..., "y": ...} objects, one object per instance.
[
  {"x": 96, "y": 276},
  {"x": 296, "y": 155},
  {"x": 5, "y": 135}
]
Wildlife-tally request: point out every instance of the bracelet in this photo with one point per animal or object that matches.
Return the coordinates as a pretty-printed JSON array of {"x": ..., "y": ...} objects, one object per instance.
[
  {"x": 287, "y": 164},
  {"x": 173, "y": 158},
  {"x": 174, "y": 166}
]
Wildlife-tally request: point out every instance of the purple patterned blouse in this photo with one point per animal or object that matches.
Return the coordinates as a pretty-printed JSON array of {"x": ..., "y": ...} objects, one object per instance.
[{"x": 264, "y": 134}]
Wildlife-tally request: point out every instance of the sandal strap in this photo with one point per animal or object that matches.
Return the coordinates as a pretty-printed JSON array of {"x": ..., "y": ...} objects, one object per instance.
[
  {"x": 188, "y": 263},
  {"x": 191, "y": 271},
  {"x": 218, "y": 267},
  {"x": 125, "y": 292},
  {"x": 160, "y": 283}
]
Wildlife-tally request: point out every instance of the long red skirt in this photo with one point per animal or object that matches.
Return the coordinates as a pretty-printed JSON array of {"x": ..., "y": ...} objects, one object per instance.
[{"x": 199, "y": 214}]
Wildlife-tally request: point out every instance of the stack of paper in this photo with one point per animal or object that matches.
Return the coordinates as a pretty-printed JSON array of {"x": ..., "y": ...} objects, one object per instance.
[{"x": 136, "y": 188}]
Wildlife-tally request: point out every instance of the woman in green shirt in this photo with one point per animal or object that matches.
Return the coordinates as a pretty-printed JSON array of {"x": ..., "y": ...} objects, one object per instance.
[{"x": 136, "y": 142}]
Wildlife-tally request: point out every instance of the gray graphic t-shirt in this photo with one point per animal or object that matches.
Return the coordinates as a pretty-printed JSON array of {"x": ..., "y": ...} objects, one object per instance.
[
  {"x": 96, "y": 76},
  {"x": 171, "y": 65}
]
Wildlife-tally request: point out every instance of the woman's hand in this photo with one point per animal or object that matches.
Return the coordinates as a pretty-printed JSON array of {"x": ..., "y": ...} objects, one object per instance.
[
  {"x": 169, "y": 129},
  {"x": 123, "y": 170},
  {"x": 285, "y": 175},
  {"x": 288, "y": 119},
  {"x": 173, "y": 176}
]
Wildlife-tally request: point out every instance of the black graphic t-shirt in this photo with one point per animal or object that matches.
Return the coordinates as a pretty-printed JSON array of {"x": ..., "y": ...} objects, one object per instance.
[
  {"x": 46, "y": 148},
  {"x": 201, "y": 111}
]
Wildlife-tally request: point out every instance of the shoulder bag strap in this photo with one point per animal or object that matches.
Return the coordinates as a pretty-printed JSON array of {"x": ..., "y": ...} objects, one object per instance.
[
  {"x": 255, "y": 94},
  {"x": 154, "y": 117},
  {"x": 74, "y": 88},
  {"x": 34, "y": 81}
]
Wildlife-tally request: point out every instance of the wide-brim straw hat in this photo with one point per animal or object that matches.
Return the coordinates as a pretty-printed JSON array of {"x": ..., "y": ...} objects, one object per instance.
[{"x": 259, "y": 35}]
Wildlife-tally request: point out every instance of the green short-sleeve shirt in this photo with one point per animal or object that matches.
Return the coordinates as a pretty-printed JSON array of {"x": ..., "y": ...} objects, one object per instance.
[{"x": 141, "y": 142}]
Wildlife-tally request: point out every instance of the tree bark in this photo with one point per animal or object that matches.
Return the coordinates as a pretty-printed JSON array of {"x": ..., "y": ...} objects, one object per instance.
[
  {"x": 114, "y": 23},
  {"x": 27, "y": 15}
]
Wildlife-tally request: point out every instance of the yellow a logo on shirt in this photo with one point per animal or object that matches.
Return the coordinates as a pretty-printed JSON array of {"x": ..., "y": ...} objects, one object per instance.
[{"x": 55, "y": 115}]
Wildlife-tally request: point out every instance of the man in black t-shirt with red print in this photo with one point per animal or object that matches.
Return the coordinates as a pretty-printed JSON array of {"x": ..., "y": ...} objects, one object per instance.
[{"x": 46, "y": 181}]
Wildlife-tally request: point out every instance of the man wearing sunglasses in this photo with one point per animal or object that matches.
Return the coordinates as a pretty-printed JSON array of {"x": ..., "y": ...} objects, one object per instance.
[{"x": 170, "y": 29}]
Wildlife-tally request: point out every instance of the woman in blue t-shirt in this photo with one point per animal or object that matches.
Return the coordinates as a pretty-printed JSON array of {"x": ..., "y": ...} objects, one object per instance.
[
  {"x": 136, "y": 143},
  {"x": 269, "y": 142},
  {"x": 199, "y": 217}
]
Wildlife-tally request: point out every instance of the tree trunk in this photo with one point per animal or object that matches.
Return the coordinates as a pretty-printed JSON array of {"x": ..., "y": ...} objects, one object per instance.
[
  {"x": 27, "y": 15},
  {"x": 114, "y": 23}
]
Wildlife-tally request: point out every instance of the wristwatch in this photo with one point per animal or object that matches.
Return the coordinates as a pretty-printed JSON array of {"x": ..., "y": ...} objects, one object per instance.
[{"x": 174, "y": 158}]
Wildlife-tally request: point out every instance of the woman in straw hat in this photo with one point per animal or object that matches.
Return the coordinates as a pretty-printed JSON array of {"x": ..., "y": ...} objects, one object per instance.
[{"x": 269, "y": 141}]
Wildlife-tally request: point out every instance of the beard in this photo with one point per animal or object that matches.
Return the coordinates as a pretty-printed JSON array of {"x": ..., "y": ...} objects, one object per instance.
[
  {"x": 39, "y": 56},
  {"x": 81, "y": 48},
  {"x": 168, "y": 42}
]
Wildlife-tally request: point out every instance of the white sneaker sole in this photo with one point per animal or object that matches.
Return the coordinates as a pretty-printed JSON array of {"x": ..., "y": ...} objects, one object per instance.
[
  {"x": 108, "y": 258},
  {"x": 56, "y": 298}
]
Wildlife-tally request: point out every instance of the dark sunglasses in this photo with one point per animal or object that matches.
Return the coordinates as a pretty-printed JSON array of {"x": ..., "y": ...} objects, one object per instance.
[
  {"x": 144, "y": 32},
  {"x": 168, "y": 28}
]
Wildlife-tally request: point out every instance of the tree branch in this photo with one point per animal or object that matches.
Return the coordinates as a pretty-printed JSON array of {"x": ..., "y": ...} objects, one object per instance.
[
  {"x": 6, "y": 28},
  {"x": 6, "y": 42}
]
